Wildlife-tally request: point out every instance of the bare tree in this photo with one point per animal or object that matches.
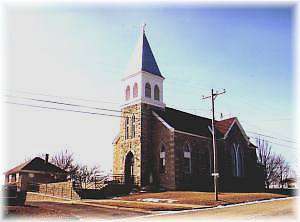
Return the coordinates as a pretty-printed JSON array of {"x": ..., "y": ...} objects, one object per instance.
[
  {"x": 283, "y": 171},
  {"x": 65, "y": 161},
  {"x": 268, "y": 160},
  {"x": 85, "y": 175},
  {"x": 276, "y": 168}
]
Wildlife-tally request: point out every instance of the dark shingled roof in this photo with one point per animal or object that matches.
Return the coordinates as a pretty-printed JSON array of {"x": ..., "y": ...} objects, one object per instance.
[
  {"x": 187, "y": 122},
  {"x": 36, "y": 164}
]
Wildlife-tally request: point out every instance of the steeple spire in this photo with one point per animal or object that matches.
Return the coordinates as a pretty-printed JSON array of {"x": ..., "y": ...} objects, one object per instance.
[{"x": 143, "y": 58}]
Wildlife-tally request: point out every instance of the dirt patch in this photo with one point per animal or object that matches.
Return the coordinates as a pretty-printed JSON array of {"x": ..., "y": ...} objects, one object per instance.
[
  {"x": 31, "y": 211},
  {"x": 64, "y": 210}
]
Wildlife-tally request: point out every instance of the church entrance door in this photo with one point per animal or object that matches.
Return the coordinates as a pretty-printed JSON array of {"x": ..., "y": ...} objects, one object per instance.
[{"x": 129, "y": 161}]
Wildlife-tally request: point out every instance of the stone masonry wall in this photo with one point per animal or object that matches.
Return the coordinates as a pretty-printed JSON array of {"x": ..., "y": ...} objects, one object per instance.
[
  {"x": 250, "y": 180},
  {"x": 141, "y": 145},
  {"x": 122, "y": 146},
  {"x": 163, "y": 135},
  {"x": 61, "y": 189},
  {"x": 201, "y": 162}
]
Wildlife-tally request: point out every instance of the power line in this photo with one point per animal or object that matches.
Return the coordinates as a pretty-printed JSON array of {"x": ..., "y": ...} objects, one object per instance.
[
  {"x": 286, "y": 146},
  {"x": 104, "y": 109},
  {"x": 260, "y": 129},
  {"x": 260, "y": 134},
  {"x": 71, "y": 110},
  {"x": 61, "y": 109},
  {"x": 84, "y": 106},
  {"x": 66, "y": 104},
  {"x": 62, "y": 97}
]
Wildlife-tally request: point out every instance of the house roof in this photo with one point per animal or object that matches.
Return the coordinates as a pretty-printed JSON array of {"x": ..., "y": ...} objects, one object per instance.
[
  {"x": 224, "y": 125},
  {"x": 252, "y": 145},
  {"x": 187, "y": 122},
  {"x": 142, "y": 58},
  {"x": 36, "y": 164}
]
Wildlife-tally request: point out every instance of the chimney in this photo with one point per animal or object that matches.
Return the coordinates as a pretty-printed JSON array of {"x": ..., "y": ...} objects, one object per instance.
[{"x": 46, "y": 158}]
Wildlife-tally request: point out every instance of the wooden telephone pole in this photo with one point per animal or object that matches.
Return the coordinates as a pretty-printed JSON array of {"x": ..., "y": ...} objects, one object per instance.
[{"x": 215, "y": 174}]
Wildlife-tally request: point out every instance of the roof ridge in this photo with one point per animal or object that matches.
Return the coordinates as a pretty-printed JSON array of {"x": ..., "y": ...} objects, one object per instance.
[
  {"x": 189, "y": 113},
  {"x": 226, "y": 119}
]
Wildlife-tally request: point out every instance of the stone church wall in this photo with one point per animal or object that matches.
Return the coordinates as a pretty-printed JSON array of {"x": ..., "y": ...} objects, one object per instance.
[
  {"x": 162, "y": 135},
  {"x": 122, "y": 146},
  {"x": 201, "y": 162},
  {"x": 250, "y": 179}
]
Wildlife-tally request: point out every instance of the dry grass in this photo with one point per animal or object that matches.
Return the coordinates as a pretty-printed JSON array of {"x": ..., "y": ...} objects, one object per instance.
[
  {"x": 143, "y": 205},
  {"x": 203, "y": 198}
]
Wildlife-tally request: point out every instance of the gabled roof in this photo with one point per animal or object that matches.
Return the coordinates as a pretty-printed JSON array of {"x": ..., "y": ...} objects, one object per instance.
[
  {"x": 252, "y": 145},
  {"x": 36, "y": 164},
  {"x": 143, "y": 58},
  {"x": 187, "y": 122},
  {"x": 224, "y": 125}
]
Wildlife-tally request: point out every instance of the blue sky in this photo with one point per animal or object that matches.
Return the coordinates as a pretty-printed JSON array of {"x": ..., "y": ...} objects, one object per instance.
[{"x": 82, "y": 51}]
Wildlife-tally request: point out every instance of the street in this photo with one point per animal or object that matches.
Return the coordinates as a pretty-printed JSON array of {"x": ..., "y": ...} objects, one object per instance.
[
  {"x": 279, "y": 209},
  {"x": 284, "y": 209},
  {"x": 65, "y": 210}
]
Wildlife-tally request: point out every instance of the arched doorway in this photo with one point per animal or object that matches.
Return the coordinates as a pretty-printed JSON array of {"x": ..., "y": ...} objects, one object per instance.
[{"x": 128, "y": 169}]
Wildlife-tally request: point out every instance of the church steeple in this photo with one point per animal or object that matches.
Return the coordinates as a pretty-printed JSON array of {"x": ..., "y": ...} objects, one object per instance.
[
  {"x": 143, "y": 59},
  {"x": 143, "y": 81}
]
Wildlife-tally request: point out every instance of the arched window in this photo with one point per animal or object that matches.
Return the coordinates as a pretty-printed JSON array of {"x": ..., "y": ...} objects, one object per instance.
[
  {"x": 162, "y": 159},
  {"x": 156, "y": 92},
  {"x": 187, "y": 163},
  {"x": 237, "y": 160},
  {"x": 126, "y": 128},
  {"x": 133, "y": 126},
  {"x": 135, "y": 90},
  {"x": 127, "y": 93},
  {"x": 148, "y": 90}
]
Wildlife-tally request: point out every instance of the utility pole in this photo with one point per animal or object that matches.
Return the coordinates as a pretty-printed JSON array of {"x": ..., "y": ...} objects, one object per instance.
[{"x": 215, "y": 174}]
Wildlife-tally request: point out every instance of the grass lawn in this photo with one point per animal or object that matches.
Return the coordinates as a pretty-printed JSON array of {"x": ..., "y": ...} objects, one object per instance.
[
  {"x": 204, "y": 198},
  {"x": 184, "y": 200}
]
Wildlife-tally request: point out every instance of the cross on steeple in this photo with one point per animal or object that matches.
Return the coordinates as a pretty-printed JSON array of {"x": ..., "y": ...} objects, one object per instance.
[{"x": 143, "y": 27}]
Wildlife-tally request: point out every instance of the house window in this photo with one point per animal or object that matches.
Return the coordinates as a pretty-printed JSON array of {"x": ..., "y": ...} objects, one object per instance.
[
  {"x": 148, "y": 90},
  {"x": 126, "y": 128},
  {"x": 17, "y": 177},
  {"x": 10, "y": 178},
  {"x": 127, "y": 93},
  {"x": 156, "y": 92},
  {"x": 135, "y": 90},
  {"x": 162, "y": 159},
  {"x": 237, "y": 160},
  {"x": 187, "y": 159},
  {"x": 133, "y": 123}
]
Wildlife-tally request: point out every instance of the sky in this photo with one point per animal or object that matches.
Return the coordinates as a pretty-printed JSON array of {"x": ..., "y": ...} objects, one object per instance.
[{"x": 79, "y": 53}]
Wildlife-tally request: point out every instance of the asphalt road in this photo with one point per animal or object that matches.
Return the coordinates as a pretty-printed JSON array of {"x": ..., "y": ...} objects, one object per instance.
[
  {"x": 63, "y": 211},
  {"x": 278, "y": 210}
]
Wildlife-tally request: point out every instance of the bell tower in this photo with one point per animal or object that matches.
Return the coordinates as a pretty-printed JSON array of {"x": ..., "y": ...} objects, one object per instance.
[
  {"x": 142, "y": 88},
  {"x": 143, "y": 82}
]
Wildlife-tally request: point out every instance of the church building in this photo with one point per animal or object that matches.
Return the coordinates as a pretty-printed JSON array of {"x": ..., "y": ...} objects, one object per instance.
[{"x": 164, "y": 147}]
